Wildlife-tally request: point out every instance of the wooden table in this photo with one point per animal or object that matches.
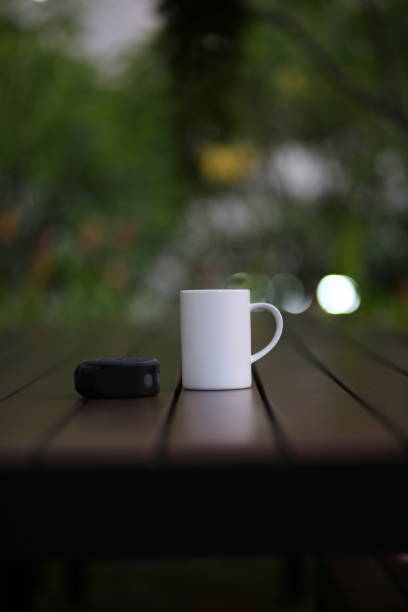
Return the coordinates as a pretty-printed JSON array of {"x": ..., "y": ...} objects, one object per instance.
[{"x": 311, "y": 459}]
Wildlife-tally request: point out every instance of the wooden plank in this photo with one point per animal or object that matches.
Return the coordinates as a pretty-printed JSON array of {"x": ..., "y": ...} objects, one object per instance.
[
  {"x": 110, "y": 432},
  {"x": 387, "y": 346},
  {"x": 27, "y": 417},
  {"x": 32, "y": 357},
  {"x": 11, "y": 341},
  {"x": 363, "y": 586},
  {"x": 31, "y": 416},
  {"x": 321, "y": 421},
  {"x": 125, "y": 431},
  {"x": 390, "y": 350},
  {"x": 221, "y": 426},
  {"x": 384, "y": 390}
]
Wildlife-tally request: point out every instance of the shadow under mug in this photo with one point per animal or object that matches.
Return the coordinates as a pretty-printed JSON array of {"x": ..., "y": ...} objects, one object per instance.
[{"x": 216, "y": 338}]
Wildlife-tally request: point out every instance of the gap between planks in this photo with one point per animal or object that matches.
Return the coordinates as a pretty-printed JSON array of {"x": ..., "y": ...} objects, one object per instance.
[
  {"x": 395, "y": 357},
  {"x": 377, "y": 414},
  {"x": 380, "y": 389}
]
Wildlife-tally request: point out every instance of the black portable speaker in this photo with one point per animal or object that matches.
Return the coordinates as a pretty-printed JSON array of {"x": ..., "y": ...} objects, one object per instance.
[{"x": 120, "y": 377}]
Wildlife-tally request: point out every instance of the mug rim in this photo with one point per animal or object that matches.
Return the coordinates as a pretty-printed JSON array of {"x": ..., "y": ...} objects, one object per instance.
[{"x": 214, "y": 290}]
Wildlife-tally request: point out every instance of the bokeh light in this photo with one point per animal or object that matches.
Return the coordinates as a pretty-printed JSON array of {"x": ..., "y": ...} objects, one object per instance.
[
  {"x": 258, "y": 284},
  {"x": 286, "y": 291},
  {"x": 227, "y": 163},
  {"x": 132, "y": 160},
  {"x": 338, "y": 294}
]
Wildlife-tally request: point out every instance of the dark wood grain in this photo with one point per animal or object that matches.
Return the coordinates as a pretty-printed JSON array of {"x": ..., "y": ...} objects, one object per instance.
[
  {"x": 32, "y": 357},
  {"x": 12, "y": 341},
  {"x": 108, "y": 432},
  {"x": 30, "y": 417},
  {"x": 320, "y": 419},
  {"x": 310, "y": 470},
  {"x": 387, "y": 346},
  {"x": 382, "y": 388},
  {"x": 221, "y": 426},
  {"x": 389, "y": 350}
]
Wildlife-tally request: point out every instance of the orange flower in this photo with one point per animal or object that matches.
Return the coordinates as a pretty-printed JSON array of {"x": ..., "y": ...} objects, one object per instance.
[
  {"x": 124, "y": 234},
  {"x": 91, "y": 234},
  {"x": 403, "y": 291},
  {"x": 42, "y": 265},
  {"x": 9, "y": 223}
]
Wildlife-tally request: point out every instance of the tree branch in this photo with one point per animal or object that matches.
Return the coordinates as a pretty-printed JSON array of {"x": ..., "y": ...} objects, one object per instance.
[
  {"x": 382, "y": 45},
  {"x": 333, "y": 71}
]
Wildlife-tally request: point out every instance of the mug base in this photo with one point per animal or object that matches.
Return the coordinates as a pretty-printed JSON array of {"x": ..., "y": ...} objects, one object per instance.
[{"x": 201, "y": 388}]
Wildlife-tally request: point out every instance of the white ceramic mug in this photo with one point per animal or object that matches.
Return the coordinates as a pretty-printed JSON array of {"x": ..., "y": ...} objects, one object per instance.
[{"x": 216, "y": 338}]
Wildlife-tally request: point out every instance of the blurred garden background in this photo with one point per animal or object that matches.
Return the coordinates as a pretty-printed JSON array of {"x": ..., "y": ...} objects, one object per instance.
[{"x": 148, "y": 146}]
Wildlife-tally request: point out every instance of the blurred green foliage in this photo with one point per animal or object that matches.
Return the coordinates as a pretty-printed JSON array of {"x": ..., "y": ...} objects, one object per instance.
[
  {"x": 87, "y": 187},
  {"x": 242, "y": 136}
]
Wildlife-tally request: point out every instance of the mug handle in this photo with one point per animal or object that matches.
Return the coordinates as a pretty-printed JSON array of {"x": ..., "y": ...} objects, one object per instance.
[{"x": 278, "y": 331}]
